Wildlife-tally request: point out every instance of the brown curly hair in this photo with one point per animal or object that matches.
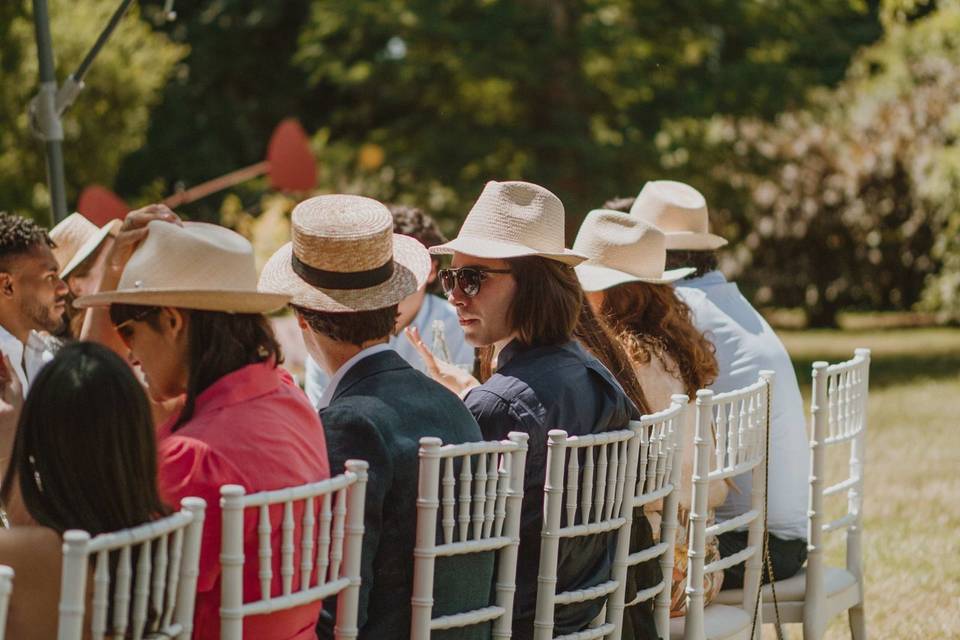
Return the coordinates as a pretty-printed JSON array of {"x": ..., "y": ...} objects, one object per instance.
[{"x": 650, "y": 320}]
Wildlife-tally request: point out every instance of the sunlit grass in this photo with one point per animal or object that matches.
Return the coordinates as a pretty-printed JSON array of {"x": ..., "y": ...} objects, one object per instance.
[{"x": 912, "y": 503}]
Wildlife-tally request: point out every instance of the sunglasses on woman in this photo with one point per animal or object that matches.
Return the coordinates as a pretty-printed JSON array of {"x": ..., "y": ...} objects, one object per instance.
[
  {"x": 124, "y": 329},
  {"x": 468, "y": 279}
]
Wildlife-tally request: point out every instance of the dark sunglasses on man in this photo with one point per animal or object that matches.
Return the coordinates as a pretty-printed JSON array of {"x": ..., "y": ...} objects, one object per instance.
[{"x": 468, "y": 279}]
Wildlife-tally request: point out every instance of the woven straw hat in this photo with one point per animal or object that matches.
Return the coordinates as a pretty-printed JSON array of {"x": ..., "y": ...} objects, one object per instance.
[
  {"x": 622, "y": 248},
  {"x": 76, "y": 238},
  {"x": 196, "y": 266},
  {"x": 345, "y": 257},
  {"x": 510, "y": 220},
  {"x": 680, "y": 211}
]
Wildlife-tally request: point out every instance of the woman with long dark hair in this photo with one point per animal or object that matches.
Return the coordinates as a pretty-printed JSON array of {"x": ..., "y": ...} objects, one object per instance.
[
  {"x": 627, "y": 286},
  {"x": 181, "y": 301},
  {"x": 83, "y": 457}
]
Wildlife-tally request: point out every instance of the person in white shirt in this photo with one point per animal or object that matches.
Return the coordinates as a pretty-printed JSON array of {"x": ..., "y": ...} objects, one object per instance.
[
  {"x": 33, "y": 298},
  {"x": 433, "y": 318},
  {"x": 745, "y": 344}
]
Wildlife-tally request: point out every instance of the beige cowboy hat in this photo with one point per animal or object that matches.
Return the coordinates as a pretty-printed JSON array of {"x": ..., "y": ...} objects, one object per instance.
[
  {"x": 622, "y": 248},
  {"x": 195, "y": 266},
  {"x": 77, "y": 238},
  {"x": 680, "y": 211},
  {"x": 345, "y": 257},
  {"x": 511, "y": 220}
]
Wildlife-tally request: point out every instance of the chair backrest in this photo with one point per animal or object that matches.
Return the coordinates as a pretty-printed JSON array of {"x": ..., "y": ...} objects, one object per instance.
[
  {"x": 330, "y": 537},
  {"x": 660, "y": 457},
  {"x": 155, "y": 568},
  {"x": 480, "y": 488},
  {"x": 731, "y": 438},
  {"x": 6, "y": 588},
  {"x": 588, "y": 491},
  {"x": 839, "y": 416}
]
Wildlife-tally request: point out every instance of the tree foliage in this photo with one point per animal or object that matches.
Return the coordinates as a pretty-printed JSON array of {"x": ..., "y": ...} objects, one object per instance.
[
  {"x": 853, "y": 200},
  {"x": 109, "y": 119}
]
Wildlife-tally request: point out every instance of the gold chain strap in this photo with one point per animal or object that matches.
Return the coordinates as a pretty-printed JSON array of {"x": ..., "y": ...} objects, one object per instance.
[{"x": 766, "y": 535}]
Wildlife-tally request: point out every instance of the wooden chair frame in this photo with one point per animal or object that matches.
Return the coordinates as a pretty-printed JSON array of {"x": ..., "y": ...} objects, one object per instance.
[
  {"x": 741, "y": 420},
  {"x": 485, "y": 516},
  {"x": 603, "y": 506},
  {"x": 338, "y": 541},
  {"x": 168, "y": 588}
]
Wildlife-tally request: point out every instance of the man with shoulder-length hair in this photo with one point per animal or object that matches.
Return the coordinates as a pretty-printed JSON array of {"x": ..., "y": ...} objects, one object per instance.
[
  {"x": 745, "y": 345},
  {"x": 518, "y": 298},
  {"x": 346, "y": 271}
]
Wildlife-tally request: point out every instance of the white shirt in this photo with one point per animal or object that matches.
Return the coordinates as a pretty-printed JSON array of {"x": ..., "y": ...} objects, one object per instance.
[
  {"x": 745, "y": 345},
  {"x": 324, "y": 401},
  {"x": 433, "y": 309},
  {"x": 27, "y": 360}
]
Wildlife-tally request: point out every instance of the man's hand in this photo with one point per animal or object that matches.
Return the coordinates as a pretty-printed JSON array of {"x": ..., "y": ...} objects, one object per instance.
[
  {"x": 133, "y": 231},
  {"x": 449, "y": 375}
]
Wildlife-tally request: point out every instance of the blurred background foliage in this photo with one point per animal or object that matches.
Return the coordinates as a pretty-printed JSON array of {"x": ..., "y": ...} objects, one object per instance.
[{"x": 823, "y": 132}]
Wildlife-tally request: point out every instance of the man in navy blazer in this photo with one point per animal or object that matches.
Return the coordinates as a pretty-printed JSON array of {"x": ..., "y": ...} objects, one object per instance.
[{"x": 346, "y": 271}]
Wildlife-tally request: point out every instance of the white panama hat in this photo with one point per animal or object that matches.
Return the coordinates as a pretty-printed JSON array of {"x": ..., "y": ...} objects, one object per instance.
[
  {"x": 512, "y": 220},
  {"x": 680, "y": 211},
  {"x": 77, "y": 238},
  {"x": 344, "y": 257},
  {"x": 195, "y": 266},
  {"x": 622, "y": 249}
]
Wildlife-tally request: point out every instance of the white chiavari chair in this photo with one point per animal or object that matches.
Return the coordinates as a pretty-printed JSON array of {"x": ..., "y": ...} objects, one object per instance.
[
  {"x": 660, "y": 460},
  {"x": 330, "y": 541},
  {"x": 480, "y": 488},
  {"x": 154, "y": 580},
  {"x": 740, "y": 420},
  {"x": 6, "y": 588},
  {"x": 588, "y": 491},
  {"x": 819, "y": 592}
]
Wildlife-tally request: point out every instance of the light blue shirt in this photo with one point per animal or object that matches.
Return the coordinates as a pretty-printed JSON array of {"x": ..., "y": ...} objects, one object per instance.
[
  {"x": 745, "y": 345},
  {"x": 434, "y": 308}
]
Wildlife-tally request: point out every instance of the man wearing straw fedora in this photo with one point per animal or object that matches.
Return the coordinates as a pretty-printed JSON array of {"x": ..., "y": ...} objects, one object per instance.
[
  {"x": 180, "y": 301},
  {"x": 345, "y": 272},
  {"x": 518, "y": 298},
  {"x": 33, "y": 298},
  {"x": 81, "y": 251},
  {"x": 745, "y": 345}
]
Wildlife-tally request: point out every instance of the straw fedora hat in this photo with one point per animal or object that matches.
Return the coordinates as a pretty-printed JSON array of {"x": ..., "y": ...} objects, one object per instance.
[
  {"x": 197, "y": 266},
  {"x": 680, "y": 211},
  {"x": 76, "y": 238},
  {"x": 511, "y": 220},
  {"x": 622, "y": 248},
  {"x": 345, "y": 257}
]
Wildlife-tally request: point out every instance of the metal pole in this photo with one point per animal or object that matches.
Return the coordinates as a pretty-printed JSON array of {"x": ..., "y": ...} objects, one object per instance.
[{"x": 47, "y": 118}]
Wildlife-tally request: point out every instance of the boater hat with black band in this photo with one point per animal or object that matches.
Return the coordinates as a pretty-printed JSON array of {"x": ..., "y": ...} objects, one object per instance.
[{"x": 344, "y": 257}]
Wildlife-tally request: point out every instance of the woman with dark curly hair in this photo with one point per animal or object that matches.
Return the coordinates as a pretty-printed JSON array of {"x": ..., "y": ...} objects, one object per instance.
[{"x": 627, "y": 286}]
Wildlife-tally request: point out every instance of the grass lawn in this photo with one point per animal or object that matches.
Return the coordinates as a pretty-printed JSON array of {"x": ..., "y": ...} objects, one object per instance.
[{"x": 912, "y": 503}]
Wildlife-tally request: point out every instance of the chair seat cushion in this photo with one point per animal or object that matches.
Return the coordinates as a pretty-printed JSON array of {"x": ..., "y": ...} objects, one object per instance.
[
  {"x": 793, "y": 589},
  {"x": 719, "y": 622}
]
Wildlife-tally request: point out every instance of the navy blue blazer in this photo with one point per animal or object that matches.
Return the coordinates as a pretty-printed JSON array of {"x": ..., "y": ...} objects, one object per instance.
[{"x": 379, "y": 412}]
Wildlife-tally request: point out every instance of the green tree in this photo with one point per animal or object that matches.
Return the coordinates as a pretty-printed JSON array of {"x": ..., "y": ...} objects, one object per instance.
[
  {"x": 110, "y": 117},
  {"x": 852, "y": 201},
  {"x": 568, "y": 93}
]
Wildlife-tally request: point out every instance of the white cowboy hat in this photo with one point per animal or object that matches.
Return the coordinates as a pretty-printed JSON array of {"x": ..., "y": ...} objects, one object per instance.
[
  {"x": 197, "y": 266},
  {"x": 511, "y": 220},
  {"x": 345, "y": 257},
  {"x": 680, "y": 211},
  {"x": 622, "y": 248},
  {"x": 77, "y": 238}
]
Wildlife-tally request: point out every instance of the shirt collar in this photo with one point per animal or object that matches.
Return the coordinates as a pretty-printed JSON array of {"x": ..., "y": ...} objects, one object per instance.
[
  {"x": 331, "y": 388},
  {"x": 711, "y": 279},
  {"x": 239, "y": 386}
]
